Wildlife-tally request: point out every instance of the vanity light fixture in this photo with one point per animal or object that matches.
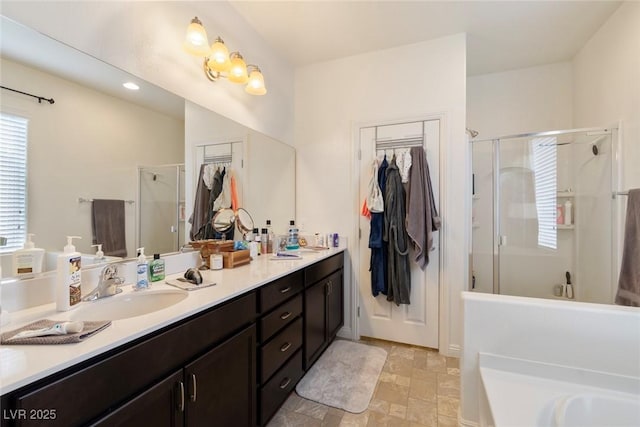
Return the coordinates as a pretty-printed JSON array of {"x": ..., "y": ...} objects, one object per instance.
[{"x": 218, "y": 62}]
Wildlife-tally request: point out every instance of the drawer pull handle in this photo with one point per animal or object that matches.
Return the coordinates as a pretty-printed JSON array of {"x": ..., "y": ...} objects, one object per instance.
[
  {"x": 285, "y": 290},
  {"x": 285, "y": 347},
  {"x": 285, "y": 383},
  {"x": 193, "y": 382},
  {"x": 286, "y": 315},
  {"x": 181, "y": 405}
]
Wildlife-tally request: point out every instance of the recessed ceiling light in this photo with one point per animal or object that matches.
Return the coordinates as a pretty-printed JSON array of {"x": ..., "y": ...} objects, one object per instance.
[{"x": 131, "y": 86}]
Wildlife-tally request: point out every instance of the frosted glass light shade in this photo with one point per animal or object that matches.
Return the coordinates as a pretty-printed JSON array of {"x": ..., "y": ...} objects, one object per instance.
[
  {"x": 195, "y": 41},
  {"x": 219, "y": 59},
  {"x": 255, "y": 85},
  {"x": 238, "y": 71}
]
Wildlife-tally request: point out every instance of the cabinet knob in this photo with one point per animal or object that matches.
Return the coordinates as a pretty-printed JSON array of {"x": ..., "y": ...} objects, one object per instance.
[
  {"x": 193, "y": 388},
  {"x": 285, "y": 347},
  {"x": 285, "y": 383},
  {"x": 285, "y": 290},
  {"x": 285, "y": 315}
]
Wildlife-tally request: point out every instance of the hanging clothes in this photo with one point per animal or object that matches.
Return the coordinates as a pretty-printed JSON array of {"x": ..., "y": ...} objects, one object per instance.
[
  {"x": 224, "y": 198},
  {"x": 395, "y": 234},
  {"x": 422, "y": 215},
  {"x": 200, "y": 213},
  {"x": 379, "y": 248}
]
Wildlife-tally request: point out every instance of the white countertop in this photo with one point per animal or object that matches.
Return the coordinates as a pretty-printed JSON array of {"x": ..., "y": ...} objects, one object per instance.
[{"x": 23, "y": 364}]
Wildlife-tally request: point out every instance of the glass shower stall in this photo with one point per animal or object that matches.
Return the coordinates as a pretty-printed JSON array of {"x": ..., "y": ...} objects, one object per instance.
[
  {"x": 161, "y": 221},
  {"x": 543, "y": 215}
]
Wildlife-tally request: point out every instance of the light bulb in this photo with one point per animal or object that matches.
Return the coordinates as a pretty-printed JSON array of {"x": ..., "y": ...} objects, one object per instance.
[
  {"x": 219, "y": 59},
  {"x": 196, "y": 42},
  {"x": 238, "y": 71},
  {"x": 255, "y": 85}
]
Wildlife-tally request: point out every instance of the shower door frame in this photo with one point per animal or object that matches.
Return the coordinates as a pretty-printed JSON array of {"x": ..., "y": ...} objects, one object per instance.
[{"x": 615, "y": 179}]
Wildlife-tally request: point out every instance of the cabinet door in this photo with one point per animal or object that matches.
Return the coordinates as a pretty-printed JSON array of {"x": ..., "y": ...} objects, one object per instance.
[
  {"x": 315, "y": 321},
  {"x": 335, "y": 304},
  {"x": 160, "y": 406},
  {"x": 221, "y": 385}
]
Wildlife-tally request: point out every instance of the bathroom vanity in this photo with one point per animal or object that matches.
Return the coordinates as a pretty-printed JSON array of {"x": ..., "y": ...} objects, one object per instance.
[{"x": 228, "y": 355}]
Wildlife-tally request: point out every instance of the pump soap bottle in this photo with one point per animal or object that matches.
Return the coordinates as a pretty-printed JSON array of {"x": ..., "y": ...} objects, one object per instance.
[
  {"x": 142, "y": 281},
  {"x": 28, "y": 259},
  {"x": 99, "y": 253},
  {"x": 68, "y": 292}
]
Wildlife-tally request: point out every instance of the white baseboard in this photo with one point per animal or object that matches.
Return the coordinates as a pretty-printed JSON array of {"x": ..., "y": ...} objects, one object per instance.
[
  {"x": 466, "y": 423},
  {"x": 346, "y": 332},
  {"x": 454, "y": 350}
]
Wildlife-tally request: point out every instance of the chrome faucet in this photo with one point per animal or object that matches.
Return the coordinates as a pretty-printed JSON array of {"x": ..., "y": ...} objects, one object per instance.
[{"x": 109, "y": 284}]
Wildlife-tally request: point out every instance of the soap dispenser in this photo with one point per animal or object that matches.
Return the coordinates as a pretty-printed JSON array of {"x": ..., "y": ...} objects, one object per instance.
[
  {"x": 142, "y": 281},
  {"x": 68, "y": 292},
  {"x": 28, "y": 259},
  {"x": 99, "y": 253}
]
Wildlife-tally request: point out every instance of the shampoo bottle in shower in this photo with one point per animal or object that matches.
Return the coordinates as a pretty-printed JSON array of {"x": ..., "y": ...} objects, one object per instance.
[{"x": 568, "y": 213}]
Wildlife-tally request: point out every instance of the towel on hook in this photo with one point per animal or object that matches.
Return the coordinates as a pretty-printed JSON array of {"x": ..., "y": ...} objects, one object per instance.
[
  {"x": 107, "y": 225},
  {"x": 629, "y": 281},
  {"x": 422, "y": 215}
]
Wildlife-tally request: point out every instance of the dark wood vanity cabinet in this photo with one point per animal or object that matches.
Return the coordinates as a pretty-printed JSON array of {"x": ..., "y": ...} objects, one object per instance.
[
  {"x": 323, "y": 306},
  {"x": 231, "y": 365}
]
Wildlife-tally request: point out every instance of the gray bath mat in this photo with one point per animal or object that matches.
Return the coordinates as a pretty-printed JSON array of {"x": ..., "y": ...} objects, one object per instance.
[{"x": 344, "y": 377}]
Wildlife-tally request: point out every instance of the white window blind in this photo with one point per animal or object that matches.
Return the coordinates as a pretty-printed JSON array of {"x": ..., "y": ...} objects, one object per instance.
[
  {"x": 13, "y": 181},
  {"x": 544, "y": 169}
]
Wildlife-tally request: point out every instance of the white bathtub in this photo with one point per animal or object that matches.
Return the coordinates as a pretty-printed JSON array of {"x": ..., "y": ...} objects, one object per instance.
[{"x": 518, "y": 392}]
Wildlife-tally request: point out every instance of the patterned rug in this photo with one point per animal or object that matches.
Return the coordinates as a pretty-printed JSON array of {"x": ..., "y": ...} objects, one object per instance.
[{"x": 344, "y": 377}]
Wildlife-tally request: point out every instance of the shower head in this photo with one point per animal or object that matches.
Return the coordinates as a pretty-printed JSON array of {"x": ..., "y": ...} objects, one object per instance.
[{"x": 472, "y": 133}]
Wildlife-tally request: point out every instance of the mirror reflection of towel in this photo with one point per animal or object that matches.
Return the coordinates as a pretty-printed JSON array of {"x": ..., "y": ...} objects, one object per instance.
[{"x": 107, "y": 225}]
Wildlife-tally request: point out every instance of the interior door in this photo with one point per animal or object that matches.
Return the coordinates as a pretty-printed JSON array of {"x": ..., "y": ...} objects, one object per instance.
[{"x": 416, "y": 323}]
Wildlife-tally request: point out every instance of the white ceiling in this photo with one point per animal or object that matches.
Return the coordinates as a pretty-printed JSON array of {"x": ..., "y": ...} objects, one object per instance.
[{"x": 500, "y": 35}]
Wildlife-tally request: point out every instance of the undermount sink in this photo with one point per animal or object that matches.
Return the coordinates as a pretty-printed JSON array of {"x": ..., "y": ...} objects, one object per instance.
[
  {"x": 130, "y": 304},
  {"x": 586, "y": 410}
]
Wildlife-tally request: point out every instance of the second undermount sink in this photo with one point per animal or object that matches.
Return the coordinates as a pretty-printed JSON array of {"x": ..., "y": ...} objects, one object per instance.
[{"x": 130, "y": 304}]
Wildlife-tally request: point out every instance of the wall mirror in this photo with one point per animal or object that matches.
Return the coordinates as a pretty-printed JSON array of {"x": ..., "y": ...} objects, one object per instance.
[{"x": 102, "y": 141}]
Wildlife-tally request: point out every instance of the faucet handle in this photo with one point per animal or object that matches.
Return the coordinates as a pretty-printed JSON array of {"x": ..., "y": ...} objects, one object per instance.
[{"x": 111, "y": 271}]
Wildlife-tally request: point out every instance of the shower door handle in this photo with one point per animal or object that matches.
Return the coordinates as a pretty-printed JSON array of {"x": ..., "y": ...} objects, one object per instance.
[
  {"x": 173, "y": 229},
  {"x": 502, "y": 240}
]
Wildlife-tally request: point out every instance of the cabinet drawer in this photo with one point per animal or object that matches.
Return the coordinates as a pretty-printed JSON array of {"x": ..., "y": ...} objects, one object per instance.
[
  {"x": 280, "y": 317},
  {"x": 274, "y": 393},
  {"x": 322, "y": 269},
  {"x": 280, "y": 348},
  {"x": 100, "y": 386},
  {"x": 281, "y": 290}
]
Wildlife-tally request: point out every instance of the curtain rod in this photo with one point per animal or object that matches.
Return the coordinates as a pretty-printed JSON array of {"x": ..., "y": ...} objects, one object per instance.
[{"x": 39, "y": 98}]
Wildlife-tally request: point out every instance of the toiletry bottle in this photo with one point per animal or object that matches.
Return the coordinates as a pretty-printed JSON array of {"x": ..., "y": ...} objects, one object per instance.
[
  {"x": 271, "y": 238},
  {"x": 156, "y": 268},
  {"x": 68, "y": 292},
  {"x": 264, "y": 241},
  {"x": 142, "y": 280},
  {"x": 292, "y": 240},
  {"x": 29, "y": 258},
  {"x": 257, "y": 239},
  {"x": 99, "y": 254},
  {"x": 568, "y": 213},
  {"x": 560, "y": 215}
]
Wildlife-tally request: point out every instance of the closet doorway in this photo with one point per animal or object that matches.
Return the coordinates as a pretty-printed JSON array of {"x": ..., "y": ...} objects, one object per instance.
[{"x": 416, "y": 323}]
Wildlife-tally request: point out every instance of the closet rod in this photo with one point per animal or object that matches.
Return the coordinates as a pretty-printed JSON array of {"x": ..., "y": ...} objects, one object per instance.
[
  {"x": 218, "y": 159},
  {"x": 399, "y": 143},
  {"x": 39, "y": 98}
]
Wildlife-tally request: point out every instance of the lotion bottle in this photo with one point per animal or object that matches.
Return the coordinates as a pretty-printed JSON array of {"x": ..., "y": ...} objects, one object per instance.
[
  {"x": 28, "y": 259},
  {"x": 156, "y": 268},
  {"x": 68, "y": 292},
  {"x": 142, "y": 281}
]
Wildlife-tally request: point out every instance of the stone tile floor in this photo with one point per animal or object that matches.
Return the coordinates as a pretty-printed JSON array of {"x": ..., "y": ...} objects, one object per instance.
[{"x": 417, "y": 388}]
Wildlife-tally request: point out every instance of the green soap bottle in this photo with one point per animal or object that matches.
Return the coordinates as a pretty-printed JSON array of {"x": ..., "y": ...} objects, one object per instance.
[{"x": 156, "y": 268}]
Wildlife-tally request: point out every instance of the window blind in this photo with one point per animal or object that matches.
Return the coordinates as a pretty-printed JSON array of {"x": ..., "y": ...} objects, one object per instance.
[
  {"x": 545, "y": 179},
  {"x": 13, "y": 181}
]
